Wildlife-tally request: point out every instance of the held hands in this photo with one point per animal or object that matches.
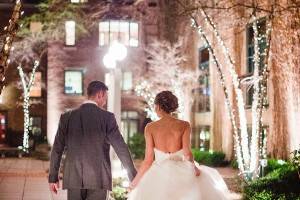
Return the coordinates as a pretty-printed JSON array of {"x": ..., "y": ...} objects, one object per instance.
[
  {"x": 54, "y": 187},
  {"x": 132, "y": 185},
  {"x": 197, "y": 171}
]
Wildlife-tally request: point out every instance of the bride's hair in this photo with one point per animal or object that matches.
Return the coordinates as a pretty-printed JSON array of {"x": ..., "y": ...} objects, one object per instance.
[{"x": 167, "y": 101}]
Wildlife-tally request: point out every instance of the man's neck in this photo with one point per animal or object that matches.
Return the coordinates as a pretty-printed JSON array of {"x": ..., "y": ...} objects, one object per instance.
[{"x": 91, "y": 101}]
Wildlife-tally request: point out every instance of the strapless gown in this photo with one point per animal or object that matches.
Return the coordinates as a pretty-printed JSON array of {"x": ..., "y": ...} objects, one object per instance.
[{"x": 172, "y": 178}]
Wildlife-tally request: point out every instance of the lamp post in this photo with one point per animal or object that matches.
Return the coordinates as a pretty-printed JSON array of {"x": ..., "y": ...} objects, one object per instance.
[{"x": 116, "y": 53}]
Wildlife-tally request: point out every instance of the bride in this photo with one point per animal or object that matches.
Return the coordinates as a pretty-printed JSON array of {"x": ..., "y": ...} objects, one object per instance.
[{"x": 168, "y": 171}]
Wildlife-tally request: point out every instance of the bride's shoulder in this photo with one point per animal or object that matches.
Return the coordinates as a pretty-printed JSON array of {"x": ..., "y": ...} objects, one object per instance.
[
  {"x": 183, "y": 123},
  {"x": 150, "y": 125}
]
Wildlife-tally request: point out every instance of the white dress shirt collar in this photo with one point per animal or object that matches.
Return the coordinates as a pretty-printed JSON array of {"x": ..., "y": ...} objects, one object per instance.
[{"x": 90, "y": 101}]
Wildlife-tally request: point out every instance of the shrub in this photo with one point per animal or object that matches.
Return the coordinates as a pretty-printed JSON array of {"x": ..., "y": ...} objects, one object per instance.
[
  {"x": 281, "y": 184},
  {"x": 296, "y": 160},
  {"x": 234, "y": 164},
  {"x": 137, "y": 145},
  {"x": 209, "y": 158},
  {"x": 118, "y": 192},
  {"x": 273, "y": 164}
]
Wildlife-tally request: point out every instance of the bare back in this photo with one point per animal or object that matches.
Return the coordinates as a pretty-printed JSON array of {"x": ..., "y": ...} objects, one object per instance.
[{"x": 167, "y": 134}]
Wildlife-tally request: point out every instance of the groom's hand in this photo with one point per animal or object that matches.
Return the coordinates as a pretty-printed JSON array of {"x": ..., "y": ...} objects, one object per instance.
[
  {"x": 54, "y": 187},
  {"x": 197, "y": 171}
]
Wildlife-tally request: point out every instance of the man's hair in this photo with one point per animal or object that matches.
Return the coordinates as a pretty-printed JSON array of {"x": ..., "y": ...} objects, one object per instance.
[{"x": 95, "y": 87}]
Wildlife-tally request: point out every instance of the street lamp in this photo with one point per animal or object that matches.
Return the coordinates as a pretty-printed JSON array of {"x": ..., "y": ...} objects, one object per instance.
[{"x": 116, "y": 53}]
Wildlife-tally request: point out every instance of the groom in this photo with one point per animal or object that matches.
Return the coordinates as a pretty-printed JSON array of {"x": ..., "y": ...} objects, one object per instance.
[{"x": 85, "y": 134}]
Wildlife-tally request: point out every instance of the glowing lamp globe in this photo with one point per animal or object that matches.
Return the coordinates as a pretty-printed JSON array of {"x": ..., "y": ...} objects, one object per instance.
[
  {"x": 109, "y": 61},
  {"x": 118, "y": 50}
]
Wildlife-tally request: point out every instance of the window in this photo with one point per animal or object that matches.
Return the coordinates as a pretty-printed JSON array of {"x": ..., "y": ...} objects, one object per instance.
[
  {"x": 35, "y": 126},
  {"x": 125, "y": 32},
  {"x": 70, "y": 33},
  {"x": 264, "y": 134},
  {"x": 73, "y": 82},
  {"x": 36, "y": 88},
  {"x": 130, "y": 123},
  {"x": 3, "y": 131},
  {"x": 127, "y": 81},
  {"x": 204, "y": 137},
  {"x": 203, "y": 92},
  {"x": 261, "y": 26},
  {"x": 79, "y": 1},
  {"x": 249, "y": 97}
]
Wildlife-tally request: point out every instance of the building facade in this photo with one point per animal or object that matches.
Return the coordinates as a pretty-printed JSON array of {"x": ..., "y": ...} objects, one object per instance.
[
  {"x": 280, "y": 117},
  {"x": 75, "y": 61}
]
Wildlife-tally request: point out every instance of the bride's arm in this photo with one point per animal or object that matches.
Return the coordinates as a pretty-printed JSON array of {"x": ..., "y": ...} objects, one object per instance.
[
  {"x": 148, "y": 160},
  {"x": 186, "y": 146}
]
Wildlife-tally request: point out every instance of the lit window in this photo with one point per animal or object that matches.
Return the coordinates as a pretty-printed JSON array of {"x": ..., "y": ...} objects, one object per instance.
[
  {"x": 127, "y": 81},
  {"x": 70, "y": 33},
  {"x": 125, "y": 32},
  {"x": 73, "y": 82},
  {"x": 79, "y": 1},
  {"x": 130, "y": 123},
  {"x": 134, "y": 35},
  {"x": 203, "y": 94},
  {"x": 36, "y": 89},
  {"x": 261, "y": 26}
]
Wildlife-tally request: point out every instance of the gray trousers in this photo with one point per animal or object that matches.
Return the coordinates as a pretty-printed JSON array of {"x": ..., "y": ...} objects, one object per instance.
[{"x": 87, "y": 194}]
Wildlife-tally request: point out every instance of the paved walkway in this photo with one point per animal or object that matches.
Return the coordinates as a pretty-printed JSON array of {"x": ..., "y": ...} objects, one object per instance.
[{"x": 26, "y": 179}]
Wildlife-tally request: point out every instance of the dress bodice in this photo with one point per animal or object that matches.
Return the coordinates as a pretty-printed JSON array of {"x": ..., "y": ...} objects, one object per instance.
[{"x": 161, "y": 156}]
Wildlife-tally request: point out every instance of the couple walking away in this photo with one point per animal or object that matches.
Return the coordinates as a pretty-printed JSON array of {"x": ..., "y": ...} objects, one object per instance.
[{"x": 168, "y": 171}]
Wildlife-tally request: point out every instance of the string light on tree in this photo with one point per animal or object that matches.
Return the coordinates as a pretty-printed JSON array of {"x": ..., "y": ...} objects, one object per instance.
[
  {"x": 225, "y": 90},
  {"x": 247, "y": 148},
  {"x": 10, "y": 32},
  {"x": 26, "y": 86}
]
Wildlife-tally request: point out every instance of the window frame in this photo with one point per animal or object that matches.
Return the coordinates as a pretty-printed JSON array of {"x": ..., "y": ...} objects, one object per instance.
[
  {"x": 82, "y": 82},
  {"x": 80, "y": 1},
  {"x": 122, "y": 81},
  {"x": 128, "y": 119},
  {"x": 42, "y": 95},
  {"x": 65, "y": 42},
  {"x": 119, "y": 32},
  {"x": 248, "y": 27},
  {"x": 248, "y": 72},
  {"x": 206, "y": 83}
]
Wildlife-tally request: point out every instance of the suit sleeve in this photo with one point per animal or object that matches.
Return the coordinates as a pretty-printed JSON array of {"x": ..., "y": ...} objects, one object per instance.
[
  {"x": 57, "y": 150},
  {"x": 116, "y": 140}
]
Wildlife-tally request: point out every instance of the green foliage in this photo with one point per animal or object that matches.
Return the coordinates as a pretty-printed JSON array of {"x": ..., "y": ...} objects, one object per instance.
[
  {"x": 234, "y": 164},
  {"x": 209, "y": 158},
  {"x": 296, "y": 158},
  {"x": 281, "y": 184},
  {"x": 137, "y": 146},
  {"x": 53, "y": 14},
  {"x": 118, "y": 192},
  {"x": 274, "y": 164}
]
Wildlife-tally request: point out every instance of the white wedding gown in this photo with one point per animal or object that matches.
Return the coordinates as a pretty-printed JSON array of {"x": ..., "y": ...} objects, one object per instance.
[{"x": 172, "y": 178}]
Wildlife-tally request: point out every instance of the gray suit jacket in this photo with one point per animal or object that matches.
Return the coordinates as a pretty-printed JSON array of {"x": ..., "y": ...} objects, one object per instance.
[{"x": 85, "y": 134}]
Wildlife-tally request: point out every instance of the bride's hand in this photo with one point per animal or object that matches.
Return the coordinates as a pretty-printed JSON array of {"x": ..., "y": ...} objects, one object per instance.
[
  {"x": 197, "y": 171},
  {"x": 131, "y": 186}
]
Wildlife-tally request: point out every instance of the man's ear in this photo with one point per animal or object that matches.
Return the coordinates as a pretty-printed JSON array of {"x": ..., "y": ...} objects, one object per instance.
[{"x": 101, "y": 94}]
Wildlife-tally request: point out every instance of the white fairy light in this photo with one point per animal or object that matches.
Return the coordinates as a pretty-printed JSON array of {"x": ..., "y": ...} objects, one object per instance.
[
  {"x": 254, "y": 161},
  {"x": 227, "y": 101},
  {"x": 26, "y": 95},
  {"x": 247, "y": 152},
  {"x": 238, "y": 91}
]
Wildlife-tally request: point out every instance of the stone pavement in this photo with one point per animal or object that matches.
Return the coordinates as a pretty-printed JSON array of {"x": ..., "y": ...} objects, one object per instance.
[{"x": 26, "y": 179}]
